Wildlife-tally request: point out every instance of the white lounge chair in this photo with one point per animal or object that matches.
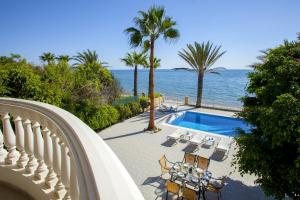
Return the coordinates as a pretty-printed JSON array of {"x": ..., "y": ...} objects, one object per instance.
[
  {"x": 176, "y": 135},
  {"x": 224, "y": 145},
  {"x": 167, "y": 108},
  {"x": 188, "y": 136},
  {"x": 197, "y": 139}
]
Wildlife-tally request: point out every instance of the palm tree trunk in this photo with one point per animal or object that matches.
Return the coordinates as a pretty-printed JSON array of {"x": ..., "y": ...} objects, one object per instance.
[
  {"x": 200, "y": 88},
  {"x": 151, "y": 125},
  {"x": 135, "y": 81},
  {"x": 149, "y": 83}
]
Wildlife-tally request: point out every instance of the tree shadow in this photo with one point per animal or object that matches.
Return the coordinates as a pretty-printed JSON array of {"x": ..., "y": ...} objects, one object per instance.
[
  {"x": 237, "y": 190},
  {"x": 190, "y": 148},
  {"x": 126, "y": 135},
  {"x": 218, "y": 156},
  {"x": 145, "y": 116},
  {"x": 159, "y": 187},
  {"x": 168, "y": 143}
]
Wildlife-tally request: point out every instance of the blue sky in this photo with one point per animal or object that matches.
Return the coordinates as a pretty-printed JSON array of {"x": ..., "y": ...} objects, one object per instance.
[{"x": 69, "y": 26}]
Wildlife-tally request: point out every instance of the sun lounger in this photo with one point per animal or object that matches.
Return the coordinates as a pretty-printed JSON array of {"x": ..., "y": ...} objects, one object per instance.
[
  {"x": 224, "y": 145},
  {"x": 197, "y": 139},
  {"x": 187, "y": 136},
  {"x": 179, "y": 133},
  {"x": 165, "y": 108}
]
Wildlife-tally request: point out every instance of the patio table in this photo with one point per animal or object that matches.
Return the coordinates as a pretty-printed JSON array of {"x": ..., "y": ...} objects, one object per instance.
[
  {"x": 209, "y": 141},
  {"x": 190, "y": 176}
]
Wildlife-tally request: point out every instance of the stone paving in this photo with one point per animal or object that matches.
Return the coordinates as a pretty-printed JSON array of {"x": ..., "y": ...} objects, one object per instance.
[{"x": 140, "y": 151}]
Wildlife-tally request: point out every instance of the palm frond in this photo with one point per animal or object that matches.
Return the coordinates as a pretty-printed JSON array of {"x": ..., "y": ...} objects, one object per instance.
[
  {"x": 134, "y": 58},
  {"x": 201, "y": 56},
  {"x": 171, "y": 34},
  {"x": 47, "y": 57},
  {"x": 152, "y": 24},
  {"x": 135, "y": 36},
  {"x": 87, "y": 57}
]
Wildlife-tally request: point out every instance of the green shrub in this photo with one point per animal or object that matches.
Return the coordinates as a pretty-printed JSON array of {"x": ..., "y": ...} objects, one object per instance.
[
  {"x": 104, "y": 116},
  {"x": 125, "y": 100},
  {"x": 135, "y": 108},
  {"x": 157, "y": 94},
  {"x": 144, "y": 103},
  {"x": 124, "y": 111},
  {"x": 22, "y": 82},
  {"x": 96, "y": 117}
]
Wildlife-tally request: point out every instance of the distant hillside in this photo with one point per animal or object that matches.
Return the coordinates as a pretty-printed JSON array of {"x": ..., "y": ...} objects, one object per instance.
[{"x": 182, "y": 68}]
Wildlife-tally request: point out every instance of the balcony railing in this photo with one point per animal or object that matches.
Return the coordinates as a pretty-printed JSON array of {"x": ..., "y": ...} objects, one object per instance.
[{"x": 51, "y": 154}]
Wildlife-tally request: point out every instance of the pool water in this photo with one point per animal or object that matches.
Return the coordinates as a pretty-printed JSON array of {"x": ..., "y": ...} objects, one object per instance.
[{"x": 211, "y": 123}]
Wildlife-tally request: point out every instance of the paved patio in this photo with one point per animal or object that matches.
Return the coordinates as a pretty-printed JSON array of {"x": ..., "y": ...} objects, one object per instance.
[{"x": 139, "y": 151}]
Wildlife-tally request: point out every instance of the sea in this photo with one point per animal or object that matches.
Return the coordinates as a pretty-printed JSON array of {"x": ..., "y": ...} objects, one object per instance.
[{"x": 220, "y": 90}]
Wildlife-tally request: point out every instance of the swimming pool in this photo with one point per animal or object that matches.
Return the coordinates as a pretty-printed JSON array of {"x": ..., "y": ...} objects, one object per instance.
[{"x": 210, "y": 123}]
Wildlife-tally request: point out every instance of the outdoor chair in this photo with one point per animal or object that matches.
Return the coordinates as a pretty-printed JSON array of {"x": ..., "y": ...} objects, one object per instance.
[
  {"x": 189, "y": 194},
  {"x": 165, "y": 169},
  {"x": 215, "y": 186},
  {"x": 203, "y": 162},
  {"x": 189, "y": 158},
  {"x": 172, "y": 188}
]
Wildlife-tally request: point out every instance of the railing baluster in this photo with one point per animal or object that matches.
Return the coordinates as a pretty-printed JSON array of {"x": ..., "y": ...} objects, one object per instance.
[
  {"x": 3, "y": 152},
  {"x": 74, "y": 190},
  {"x": 29, "y": 147},
  {"x": 41, "y": 170},
  {"x": 48, "y": 156},
  {"x": 59, "y": 187},
  {"x": 9, "y": 141},
  {"x": 20, "y": 142},
  {"x": 65, "y": 170}
]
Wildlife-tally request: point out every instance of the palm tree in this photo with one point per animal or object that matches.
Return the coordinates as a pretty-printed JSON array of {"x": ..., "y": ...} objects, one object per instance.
[
  {"x": 15, "y": 57},
  {"x": 201, "y": 57},
  {"x": 149, "y": 26},
  {"x": 63, "y": 58},
  {"x": 48, "y": 57},
  {"x": 156, "y": 64},
  {"x": 134, "y": 59},
  {"x": 87, "y": 57}
]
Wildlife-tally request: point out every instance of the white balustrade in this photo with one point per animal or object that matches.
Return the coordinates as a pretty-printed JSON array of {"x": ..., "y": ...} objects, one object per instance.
[
  {"x": 3, "y": 152},
  {"x": 74, "y": 190},
  {"x": 79, "y": 163},
  {"x": 65, "y": 170},
  {"x": 59, "y": 187},
  {"x": 29, "y": 147},
  {"x": 48, "y": 157},
  {"x": 20, "y": 137},
  {"x": 41, "y": 170},
  {"x": 9, "y": 140}
]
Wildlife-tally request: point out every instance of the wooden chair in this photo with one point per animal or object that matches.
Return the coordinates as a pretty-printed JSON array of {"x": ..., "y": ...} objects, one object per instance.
[
  {"x": 189, "y": 158},
  {"x": 203, "y": 163},
  {"x": 189, "y": 194},
  {"x": 216, "y": 189},
  {"x": 172, "y": 188},
  {"x": 163, "y": 164}
]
